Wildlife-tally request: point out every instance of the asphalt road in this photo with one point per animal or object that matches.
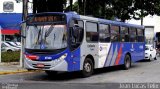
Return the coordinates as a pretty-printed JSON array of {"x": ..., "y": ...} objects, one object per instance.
[{"x": 112, "y": 77}]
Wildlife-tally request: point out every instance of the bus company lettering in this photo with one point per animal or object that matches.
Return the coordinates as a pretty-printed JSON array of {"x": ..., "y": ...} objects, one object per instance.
[{"x": 91, "y": 46}]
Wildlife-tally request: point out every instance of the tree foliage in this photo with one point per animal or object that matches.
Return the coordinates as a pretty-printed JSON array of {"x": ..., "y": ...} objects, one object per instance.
[
  {"x": 109, "y": 9},
  {"x": 121, "y": 9},
  {"x": 48, "y": 5}
]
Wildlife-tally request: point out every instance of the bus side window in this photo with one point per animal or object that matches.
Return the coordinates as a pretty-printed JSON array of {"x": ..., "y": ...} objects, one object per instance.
[
  {"x": 133, "y": 34},
  {"x": 91, "y": 32},
  {"x": 124, "y": 34},
  {"x": 115, "y": 33},
  {"x": 140, "y": 36},
  {"x": 104, "y": 35}
]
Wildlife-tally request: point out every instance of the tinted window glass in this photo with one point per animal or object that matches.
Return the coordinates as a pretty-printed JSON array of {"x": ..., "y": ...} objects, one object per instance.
[
  {"x": 115, "y": 33},
  {"x": 133, "y": 36},
  {"x": 124, "y": 34},
  {"x": 140, "y": 36},
  {"x": 104, "y": 35},
  {"x": 124, "y": 30},
  {"x": 140, "y": 32},
  {"x": 76, "y": 34},
  {"x": 91, "y": 31}
]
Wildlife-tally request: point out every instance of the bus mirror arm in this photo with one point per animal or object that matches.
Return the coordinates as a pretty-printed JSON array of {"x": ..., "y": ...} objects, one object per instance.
[
  {"x": 23, "y": 36},
  {"x": 19, "y": 35},
  {"x": 22, "y": 22}
]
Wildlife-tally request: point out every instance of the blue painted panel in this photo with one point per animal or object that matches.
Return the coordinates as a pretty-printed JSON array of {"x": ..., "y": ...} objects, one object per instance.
[
  {"x": 118, "y": 51},
  {"x": 137, "y": 55},
  {"x": 75, "y": 56},
  {"x": 10, "y": 20}
]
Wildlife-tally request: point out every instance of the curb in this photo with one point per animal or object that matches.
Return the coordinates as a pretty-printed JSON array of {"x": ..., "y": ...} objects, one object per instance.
[
  {"x": 13, "y": 72},
  {"x": 9, "y": 63}
]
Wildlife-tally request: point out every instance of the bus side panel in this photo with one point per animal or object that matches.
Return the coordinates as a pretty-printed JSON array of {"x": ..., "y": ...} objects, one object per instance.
[
  {"x": 75, "y": 59},
  {"x": 115, "y": 54},
  {"x": 126, "y": 48},
  {"x": 123, "y": 49},
  {"x": 136, "y": 55},
  {"x": 103, "y": 53},
  {"x": 139, "y": 52},
  {"x": 89, "y": 49}
]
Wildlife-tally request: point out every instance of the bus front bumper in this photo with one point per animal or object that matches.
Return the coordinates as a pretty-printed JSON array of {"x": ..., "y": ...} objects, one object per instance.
[{"x": 46, "y": 65}]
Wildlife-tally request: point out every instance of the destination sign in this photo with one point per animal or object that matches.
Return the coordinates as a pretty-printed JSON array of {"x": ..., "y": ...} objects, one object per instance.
[{"x": 45, "y": 18}]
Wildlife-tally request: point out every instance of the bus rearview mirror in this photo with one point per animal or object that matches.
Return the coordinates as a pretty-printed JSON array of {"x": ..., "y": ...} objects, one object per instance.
[{"x": 76, "y": 31}]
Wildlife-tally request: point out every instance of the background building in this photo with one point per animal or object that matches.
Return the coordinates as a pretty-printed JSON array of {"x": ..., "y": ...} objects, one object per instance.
[
  {"x": 152, "y": 25},
  {"x": 10, "y": 18}
]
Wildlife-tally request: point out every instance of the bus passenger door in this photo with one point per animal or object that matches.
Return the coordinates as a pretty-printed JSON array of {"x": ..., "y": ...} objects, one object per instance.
[{"x": 76, "y": 32}]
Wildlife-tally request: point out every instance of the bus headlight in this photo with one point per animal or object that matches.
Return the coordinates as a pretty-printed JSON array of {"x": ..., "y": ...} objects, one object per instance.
[
  {"x": 56, "y": 61},
  {"x": 63, "y": 57}
]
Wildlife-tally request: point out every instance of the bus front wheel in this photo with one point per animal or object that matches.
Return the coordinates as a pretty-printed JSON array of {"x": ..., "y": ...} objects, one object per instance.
[
  {"x": 87, "y": 67},
  {"x": 127, "y": 62}
]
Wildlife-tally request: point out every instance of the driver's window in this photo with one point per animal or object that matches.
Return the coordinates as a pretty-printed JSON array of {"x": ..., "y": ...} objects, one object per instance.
[{"x": 76, "y": 33}]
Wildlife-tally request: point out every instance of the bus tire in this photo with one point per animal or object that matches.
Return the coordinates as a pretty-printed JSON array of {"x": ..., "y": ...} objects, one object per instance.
[
  {"x": 88, "y": 68},
  {"x": 127, "y": 62},
  {"x": 155, "y": 58},
  {"x": 51, "y": 73}
]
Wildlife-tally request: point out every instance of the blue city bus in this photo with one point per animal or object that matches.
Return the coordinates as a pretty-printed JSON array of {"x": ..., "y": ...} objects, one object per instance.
[{"x": 71, "y": 42}]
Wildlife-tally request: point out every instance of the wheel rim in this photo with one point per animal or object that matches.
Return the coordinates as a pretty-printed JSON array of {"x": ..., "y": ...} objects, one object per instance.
[
  {"x": 127, "y": 62},
  {"x": 87, "y": 67}
]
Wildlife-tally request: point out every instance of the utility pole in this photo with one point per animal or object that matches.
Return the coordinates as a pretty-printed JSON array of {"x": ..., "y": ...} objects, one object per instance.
[
  {"x": 141, "y": 20},
  {"x": 142, "y": 11},
  {"x": 141, "y": 16},
  {"x": 24, "y": 15}
]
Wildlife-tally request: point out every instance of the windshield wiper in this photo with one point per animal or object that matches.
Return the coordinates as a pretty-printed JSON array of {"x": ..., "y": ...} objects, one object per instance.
[
  {"x": 47, "y": 33},
  {"x": 40, "y": 39},
  {"x": 39, "y": 33}
]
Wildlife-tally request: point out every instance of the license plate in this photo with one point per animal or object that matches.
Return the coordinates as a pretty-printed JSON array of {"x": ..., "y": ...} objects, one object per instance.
[{"x": 40, "y": 65}]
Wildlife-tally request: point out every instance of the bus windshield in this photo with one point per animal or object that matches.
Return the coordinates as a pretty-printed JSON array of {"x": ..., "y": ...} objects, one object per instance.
[{"x": 46, "y": 37}]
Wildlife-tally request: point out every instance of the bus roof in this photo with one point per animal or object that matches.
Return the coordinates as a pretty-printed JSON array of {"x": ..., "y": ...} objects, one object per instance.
[
  {"x": 107, "y": 21},
  {"x": 112, "y": 22}
]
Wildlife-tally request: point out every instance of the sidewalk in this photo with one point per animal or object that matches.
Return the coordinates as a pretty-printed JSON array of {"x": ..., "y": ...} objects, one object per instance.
[{"x": 11, "y": 68}]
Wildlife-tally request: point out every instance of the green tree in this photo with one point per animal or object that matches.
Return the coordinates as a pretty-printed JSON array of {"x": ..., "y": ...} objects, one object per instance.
[
  {"x": 109, "y": 9},
  {"x": 48, "y": 5},
  {"x": 147, "y": 7},
  {"x": 121, "y": 9}
]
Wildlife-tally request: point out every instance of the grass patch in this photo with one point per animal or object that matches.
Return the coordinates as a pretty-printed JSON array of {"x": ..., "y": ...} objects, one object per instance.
[{"x": 10, "y": 56}]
